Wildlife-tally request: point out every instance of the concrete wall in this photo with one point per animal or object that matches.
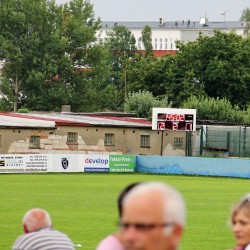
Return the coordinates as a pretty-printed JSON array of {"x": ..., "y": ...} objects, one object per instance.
[
  {"x": 10, "y": 135},
  {"x": 127, "y": 141},
  {"x": 193, "y": 166}
]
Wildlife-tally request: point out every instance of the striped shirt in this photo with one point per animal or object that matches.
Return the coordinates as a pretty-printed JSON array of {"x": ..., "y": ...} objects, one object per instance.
[{"x": 43, "y": 239}]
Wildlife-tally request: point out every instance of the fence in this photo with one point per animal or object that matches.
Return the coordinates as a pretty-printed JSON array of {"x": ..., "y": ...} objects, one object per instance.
[{"x": 225, "y": 141}]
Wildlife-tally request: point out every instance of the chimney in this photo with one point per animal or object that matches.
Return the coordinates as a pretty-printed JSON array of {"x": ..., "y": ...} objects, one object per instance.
[{"x": 161, "y": 21}]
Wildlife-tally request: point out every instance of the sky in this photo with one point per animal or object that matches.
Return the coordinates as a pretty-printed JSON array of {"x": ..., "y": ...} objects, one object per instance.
[{"x": 169, "y": 10}]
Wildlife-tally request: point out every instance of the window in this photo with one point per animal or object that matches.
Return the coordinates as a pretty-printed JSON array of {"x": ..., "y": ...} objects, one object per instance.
[
  {"x": 145, "y": 141},
  {"x": 160, "y": 43},
  {"x": 139, "y": 43},
  {"x": 156, "y": 43},
  {"x": 109, "y": 140},
  {"x": 72, "y": 138},
  {"x": 166, "y": 43},
  {"x": 171, "y": 43},
  {"x": 178, "y": 143},
  {"x": 34, "y": 141}
]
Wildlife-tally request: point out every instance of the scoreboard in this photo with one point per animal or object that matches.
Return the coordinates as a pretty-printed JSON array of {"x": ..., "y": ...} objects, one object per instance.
[{"x": 174, "y": 119}]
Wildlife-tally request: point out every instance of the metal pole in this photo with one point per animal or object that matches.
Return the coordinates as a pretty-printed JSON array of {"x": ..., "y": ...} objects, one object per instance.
[
  {"x": 239, "y": 141},
  {"x": 162, "y": 141}
]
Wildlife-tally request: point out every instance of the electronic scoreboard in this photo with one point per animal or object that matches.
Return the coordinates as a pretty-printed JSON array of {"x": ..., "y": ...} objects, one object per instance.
[{"x": 174, "y": 119}]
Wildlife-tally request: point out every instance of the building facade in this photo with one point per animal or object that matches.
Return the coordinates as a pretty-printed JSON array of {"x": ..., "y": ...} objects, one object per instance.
[
  {"x": 58, "y": 133},
  {"x": 165, "y": 33}
]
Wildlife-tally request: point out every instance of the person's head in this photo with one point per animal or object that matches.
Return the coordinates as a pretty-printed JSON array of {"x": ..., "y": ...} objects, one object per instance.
[
  {"x": 122, "y": 195},
  {"x": 153, "y": 217},
  {"x": 240, "y": 220},
  {"x": 36, "y": 219}
]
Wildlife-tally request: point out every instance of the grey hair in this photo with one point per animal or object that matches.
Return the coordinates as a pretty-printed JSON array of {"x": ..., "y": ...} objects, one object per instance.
[
  {"x": 175, "y": 208},
  {"x": 36, "y": 218},
  {"x": 244, "y": 205}
]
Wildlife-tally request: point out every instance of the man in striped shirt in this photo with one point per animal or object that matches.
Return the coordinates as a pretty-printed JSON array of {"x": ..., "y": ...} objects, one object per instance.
[{"x": 39, "y": 234}]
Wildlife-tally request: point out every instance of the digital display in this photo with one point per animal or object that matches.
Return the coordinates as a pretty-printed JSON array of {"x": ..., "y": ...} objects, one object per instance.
[
  {"x": 175, "y": 117},
  {"x": 175, "y": 121}
]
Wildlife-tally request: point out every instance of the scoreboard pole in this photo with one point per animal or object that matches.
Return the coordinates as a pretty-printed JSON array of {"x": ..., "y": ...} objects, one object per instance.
[{"x": 162, "y": 141}]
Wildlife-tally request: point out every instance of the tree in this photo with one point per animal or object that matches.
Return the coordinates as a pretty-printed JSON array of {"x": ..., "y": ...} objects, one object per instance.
[
  {"x": 245, "y": 17},
  {"x": 43, "y": 45},
  {"x": 147, "y": 40},
  {"x": 165, "y": 76},
  {"x": 121, "y": 46},
  {"x": 142, "y": 102},
  {"x": 220, "y": 63}
]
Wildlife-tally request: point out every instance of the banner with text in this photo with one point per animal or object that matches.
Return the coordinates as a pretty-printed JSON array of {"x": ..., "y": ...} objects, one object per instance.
[
  {"x": 66, "y": 163},
  {"x": 34, "y": 163},
  {"x": 121, "y": 163},
  {"x": 96, "y": 163}
]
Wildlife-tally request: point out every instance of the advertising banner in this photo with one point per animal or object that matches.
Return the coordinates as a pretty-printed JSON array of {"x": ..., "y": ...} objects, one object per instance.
[
  {"x": 96, "y": 163},
  {"x": 121, "y": 163},
  {"x": 34, "y": 163},
  {"x": 65, "y": 163}
]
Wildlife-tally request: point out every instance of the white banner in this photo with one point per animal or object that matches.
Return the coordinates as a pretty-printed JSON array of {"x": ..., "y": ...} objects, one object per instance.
[
  {"x": 34, "y": 163},
  {"x": 65, "y": 163},
  {"x": 95, "y": 163}
]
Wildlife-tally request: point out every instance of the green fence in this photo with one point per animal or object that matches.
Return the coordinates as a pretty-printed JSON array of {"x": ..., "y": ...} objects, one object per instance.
[{"x": 232, "y": 141}]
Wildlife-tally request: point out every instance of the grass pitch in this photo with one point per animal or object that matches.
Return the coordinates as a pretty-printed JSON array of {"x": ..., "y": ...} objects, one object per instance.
[{"x": 84, "y": 205}]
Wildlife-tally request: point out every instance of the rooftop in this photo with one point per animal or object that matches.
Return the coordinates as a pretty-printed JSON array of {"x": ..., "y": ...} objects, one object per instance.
[
  {"x": 53, "y": 120},
  {"x": 182, "y": 25}
]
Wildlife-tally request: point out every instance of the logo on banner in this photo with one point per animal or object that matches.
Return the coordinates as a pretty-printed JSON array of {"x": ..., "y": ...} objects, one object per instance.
[
  {"x": 2, "y": 163},
  {"x": 65, "y": 163}
]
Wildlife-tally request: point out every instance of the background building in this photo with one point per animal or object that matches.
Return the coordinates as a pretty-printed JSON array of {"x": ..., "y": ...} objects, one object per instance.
[
  {"x": 166, "y": 33},
  {"x": 89, "y": 133}
]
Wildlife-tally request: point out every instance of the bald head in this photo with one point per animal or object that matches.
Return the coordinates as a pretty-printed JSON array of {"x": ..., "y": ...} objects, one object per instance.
[
  {"x": 170, "y": 198},
  {"x": 36, "y": 219},
  {"x": 153, "y": 217}
]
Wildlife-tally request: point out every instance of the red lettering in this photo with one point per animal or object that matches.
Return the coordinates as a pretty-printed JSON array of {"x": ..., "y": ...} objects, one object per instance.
[{"x": 175, "y": 126}]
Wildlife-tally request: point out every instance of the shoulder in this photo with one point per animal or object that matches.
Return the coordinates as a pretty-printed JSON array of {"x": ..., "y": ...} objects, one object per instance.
[
  {"x": 110, "y": 243},
  {"x": 43, "y": 238},
  {"x": 247, "y": 247}
]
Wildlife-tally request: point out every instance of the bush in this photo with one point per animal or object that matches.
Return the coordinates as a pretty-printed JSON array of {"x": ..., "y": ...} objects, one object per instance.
[
  {"x": 23, "y": 110},
  {"x": 214, "y": 109},
  {"x": 142, "y": 102}
]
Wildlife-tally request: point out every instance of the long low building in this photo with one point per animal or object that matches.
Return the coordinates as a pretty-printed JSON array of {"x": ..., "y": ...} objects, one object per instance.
[
  {"x": 166, "y": 33},
  {"x": 119, "y": 133}
]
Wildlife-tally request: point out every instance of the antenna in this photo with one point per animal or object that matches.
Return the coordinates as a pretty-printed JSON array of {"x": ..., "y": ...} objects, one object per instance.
[{"x": 223, "y": 13}]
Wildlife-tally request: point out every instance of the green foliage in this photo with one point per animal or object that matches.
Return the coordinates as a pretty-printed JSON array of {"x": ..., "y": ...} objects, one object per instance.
[
  {"x": 23, "y": 110},
  {"x": 121, "y": 47},
  {"x": 245, "y": 17},
  {"x": 44, "y": 44},
  {"x": 51, "y": 59},
  {"x": 165, "y": 76},
  {"x": 142, "y": 102},
  {"x": 221, "y": 64},
  {"x": 245, "y": 115},
  {"x": 5, "y": 105},
  {"x": 147, "y": 40},
  {"x": 209, "y": 108}
]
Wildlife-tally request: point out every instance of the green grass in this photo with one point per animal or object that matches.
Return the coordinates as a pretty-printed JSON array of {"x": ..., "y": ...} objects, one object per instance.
[{"x": 84, "y": 205}]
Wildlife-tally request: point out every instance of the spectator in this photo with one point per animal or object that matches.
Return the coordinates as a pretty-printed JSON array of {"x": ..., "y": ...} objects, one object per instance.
[
  {"x": 38, "y": 233},
  {"x": 113, "y": 241},
  {"x": 240, "y": 220},
  {"x": 153, "y": 217}
]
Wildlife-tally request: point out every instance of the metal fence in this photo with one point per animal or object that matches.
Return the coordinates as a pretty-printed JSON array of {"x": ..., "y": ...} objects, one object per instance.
[{"x": 225, "y": 141}]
